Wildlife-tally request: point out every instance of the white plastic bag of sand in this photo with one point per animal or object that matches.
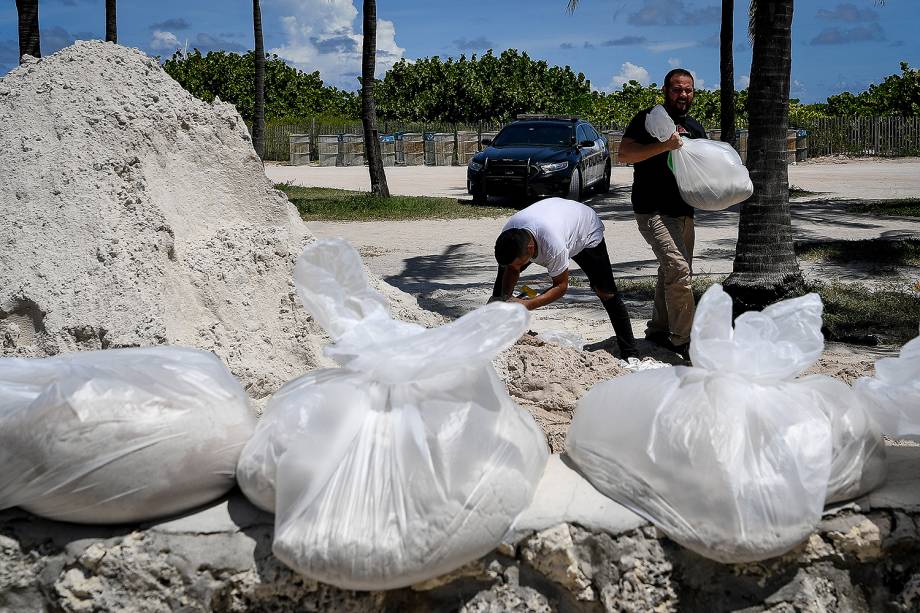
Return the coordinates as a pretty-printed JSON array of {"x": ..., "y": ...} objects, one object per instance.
[
  {"x": 408, "y": 461},
  {"x": 733, "y": 457},
  {"x": 120, "y": 435}
]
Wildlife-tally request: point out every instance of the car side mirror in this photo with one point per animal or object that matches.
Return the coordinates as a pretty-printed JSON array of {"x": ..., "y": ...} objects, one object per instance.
[
  {"x": 486, "y": 141},
  {"x": 586, "y": 143}
]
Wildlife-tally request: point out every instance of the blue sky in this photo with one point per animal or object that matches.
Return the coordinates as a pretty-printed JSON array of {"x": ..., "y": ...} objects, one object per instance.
[{"x": 837, "y": 45}]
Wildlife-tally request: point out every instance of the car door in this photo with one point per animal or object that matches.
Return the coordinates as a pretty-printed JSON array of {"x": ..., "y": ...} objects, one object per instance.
[
  {"x": 587, "y": 170},
  {"x": 600, "y": 160},
  {"x": 589, "y": 154}
]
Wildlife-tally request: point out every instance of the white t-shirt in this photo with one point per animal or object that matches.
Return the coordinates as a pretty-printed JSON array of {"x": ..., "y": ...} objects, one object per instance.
[{"x": 562, "y": 229}]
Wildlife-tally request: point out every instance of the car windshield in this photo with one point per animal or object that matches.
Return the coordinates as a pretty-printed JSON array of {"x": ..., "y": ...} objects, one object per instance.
[{"x": 545, "y": 134}]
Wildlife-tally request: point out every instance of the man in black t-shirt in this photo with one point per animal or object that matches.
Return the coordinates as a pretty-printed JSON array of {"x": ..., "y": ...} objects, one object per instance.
[{"x": 665, "y": 220}]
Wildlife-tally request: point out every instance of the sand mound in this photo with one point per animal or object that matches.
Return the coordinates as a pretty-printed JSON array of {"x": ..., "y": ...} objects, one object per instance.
[
  {"x": 548, "y": 380},
  {"x": 133, "y": 214}
]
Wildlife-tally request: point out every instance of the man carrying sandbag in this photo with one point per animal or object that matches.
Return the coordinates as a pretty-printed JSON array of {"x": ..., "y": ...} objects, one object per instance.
[
  {"x": 665, "y": 219},
  {"x": 551, "y": 232}
]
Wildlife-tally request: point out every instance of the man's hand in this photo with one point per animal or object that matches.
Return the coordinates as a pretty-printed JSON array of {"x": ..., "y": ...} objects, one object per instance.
[
  {"x": 526, "y": 302},
  {"x": 675, "y": 142},
  {"x": 631, "y": 152}
]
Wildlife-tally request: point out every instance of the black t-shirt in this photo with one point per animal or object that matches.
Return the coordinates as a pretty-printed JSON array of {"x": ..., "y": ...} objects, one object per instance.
[{"x": 654, "y": 188}]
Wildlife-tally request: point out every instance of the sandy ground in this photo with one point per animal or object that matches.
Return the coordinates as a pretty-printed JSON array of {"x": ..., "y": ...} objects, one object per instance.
[{"x": 448, "y": 264}]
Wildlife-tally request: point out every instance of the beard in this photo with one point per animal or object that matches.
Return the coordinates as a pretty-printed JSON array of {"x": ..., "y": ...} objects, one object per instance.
[{"x": 675, "y": 110}]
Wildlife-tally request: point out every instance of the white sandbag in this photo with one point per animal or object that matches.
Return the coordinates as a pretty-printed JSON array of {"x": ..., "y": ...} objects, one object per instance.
[
  {"x": 730, "y": 458},
  {"x": 563, "y": 338},
  {"x": 893, "y": 394},
  {"x": 410, "y": 460},
  {"x": 709, "y": 174},
  {"x": 858, "y": 460},
  {"x": 119, "y": 435}
]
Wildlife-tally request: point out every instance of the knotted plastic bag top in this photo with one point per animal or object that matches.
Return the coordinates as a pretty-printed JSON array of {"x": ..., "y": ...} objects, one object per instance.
[
  {"x": 775, "y": 344},
  {"x": 659, "y": 124},
  {"x": 333, "y": 287},
  {"x": 894, "y": 392},
  {"x": 902, "y": 370}
]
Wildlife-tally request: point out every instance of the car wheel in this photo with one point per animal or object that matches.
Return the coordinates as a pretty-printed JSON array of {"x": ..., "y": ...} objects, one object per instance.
[
  {"x": 603, "y": 185},
  {"x": 480, "y": 198},
  {"x": 575, "y": 186}
]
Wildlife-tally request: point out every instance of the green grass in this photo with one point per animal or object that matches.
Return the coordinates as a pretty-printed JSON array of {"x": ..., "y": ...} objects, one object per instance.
[
  {"x": 644, "y": 288},
  {"x": 852, "y": 310},
  {"x": 875, "y": 253},
  {"x": 324, "y": 204},
  {"x": 908, "y": 207},
  {"x": 795, "y": 191}
]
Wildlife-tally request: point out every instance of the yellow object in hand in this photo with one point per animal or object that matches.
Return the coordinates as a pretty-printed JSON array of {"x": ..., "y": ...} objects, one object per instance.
[{"x": 527, "y": 292}]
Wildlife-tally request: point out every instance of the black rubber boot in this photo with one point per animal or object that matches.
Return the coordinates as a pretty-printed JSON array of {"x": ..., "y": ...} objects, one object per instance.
[{"x": 619, "y": 317}]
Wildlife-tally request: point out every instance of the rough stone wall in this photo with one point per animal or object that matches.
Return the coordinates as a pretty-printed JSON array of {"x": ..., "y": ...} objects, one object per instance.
[{"x": 220, "y": 560}]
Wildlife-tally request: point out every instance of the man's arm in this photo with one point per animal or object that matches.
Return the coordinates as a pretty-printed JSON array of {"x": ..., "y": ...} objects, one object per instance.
[
  {"x": 631, "y": 151},
  {"x": 510, "y": 278},
  {"x": 560, "y": 285}
]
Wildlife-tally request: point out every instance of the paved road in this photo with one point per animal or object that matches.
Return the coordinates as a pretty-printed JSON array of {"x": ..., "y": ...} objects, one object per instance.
[
  {"x": 449, "y": 267},
  {"x": 834, "y": 177}
]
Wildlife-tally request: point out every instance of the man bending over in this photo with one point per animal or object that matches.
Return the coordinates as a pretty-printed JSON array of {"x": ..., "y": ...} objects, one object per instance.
[{"x": 550, "y": 233}]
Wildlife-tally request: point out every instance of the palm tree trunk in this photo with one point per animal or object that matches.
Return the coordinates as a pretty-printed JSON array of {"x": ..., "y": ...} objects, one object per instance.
[
  {"x": 368, "y": 110},
  {"x": 111, "y": 29},
  {"x": 258, "y": 116},
  {"x": 765, "y": 268},
  {"x": 727, "y": 74},
  {"x": 29, "y": 38}
]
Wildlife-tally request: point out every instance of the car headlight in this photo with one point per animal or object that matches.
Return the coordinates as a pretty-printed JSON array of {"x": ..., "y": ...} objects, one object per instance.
[
  {"x": 474, "y": 166},
  {"x": 549, "y": 168}
]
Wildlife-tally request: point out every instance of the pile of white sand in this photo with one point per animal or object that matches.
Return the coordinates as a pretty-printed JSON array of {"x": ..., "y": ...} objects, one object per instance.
[{"x": 134, "y": 214}]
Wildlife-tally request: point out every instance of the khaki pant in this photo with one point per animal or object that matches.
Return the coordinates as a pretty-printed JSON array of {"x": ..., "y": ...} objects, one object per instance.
[{"x": 671, "y": 239}]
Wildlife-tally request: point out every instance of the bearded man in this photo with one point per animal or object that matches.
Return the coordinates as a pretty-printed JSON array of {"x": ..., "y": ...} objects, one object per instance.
[{"x": 665, "y": 220}]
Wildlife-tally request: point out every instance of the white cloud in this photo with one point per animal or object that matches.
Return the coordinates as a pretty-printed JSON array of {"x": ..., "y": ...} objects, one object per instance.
[
  {"x": 698, "y": 82},
  {"x": 673, "y": 62},
  {"x": 743, "y": 82},
  {"x": 629, "y": 72},
  {"x": 671, "y": 46},
  {"x": 321, "y": 35},
  {"x": 164, "y": 41}
]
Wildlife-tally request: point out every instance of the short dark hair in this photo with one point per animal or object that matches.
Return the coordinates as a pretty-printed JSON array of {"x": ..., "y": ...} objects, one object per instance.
[
  {"x": 677, "y": 71},
  {"x": 510, "y": 245}
]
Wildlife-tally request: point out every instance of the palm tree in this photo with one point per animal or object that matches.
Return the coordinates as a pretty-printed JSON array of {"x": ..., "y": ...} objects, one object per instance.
[
  {"x": 368, "y": 110},
  {"x": 111, "y": 31},
  {"x": 258, "y": 116},
  {"x": 765, "y": 267},
  {"x": 29, "y": 39},
  {"x": 727, "y": 73}
]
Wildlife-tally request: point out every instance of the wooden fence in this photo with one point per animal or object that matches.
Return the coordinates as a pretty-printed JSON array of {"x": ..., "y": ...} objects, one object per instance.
[
  {"x": 277, "y": 135},
  {"x": 870, "y": 136},
  {"x": 863, "y": 136}
]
